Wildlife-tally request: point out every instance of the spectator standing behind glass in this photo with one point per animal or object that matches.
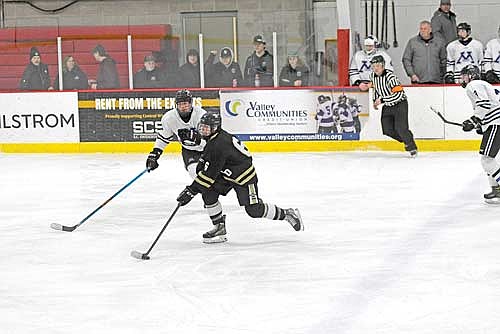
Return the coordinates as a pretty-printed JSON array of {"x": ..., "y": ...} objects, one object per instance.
[
  {"x": 259, "y": 65},
  {"x": 462, "y": 52},
  {"x": 149, "y": 76},
  {"x": 107, "y": 75},
  {"x": 73, "y": 76},
  {"x": 444, "y": 22},
  {"x": 295, "y": 73},
  {"x": 224, "y": 73},
  {"x": 36, "y": 75},
  {"x": 492, "y": 60},
  {"x": 360, "y": 68},
  {"x": 424, "y": 58},
  {"x": 189, "y": 73}
]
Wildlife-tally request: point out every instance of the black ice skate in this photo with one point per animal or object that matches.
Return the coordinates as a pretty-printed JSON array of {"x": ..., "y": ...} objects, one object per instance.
[
  {"x": 413, "y": 153},
  {"x": 493, "y": 197},
  {"x": 217, "y": 234},
  {"x": 293, "y": 217}
]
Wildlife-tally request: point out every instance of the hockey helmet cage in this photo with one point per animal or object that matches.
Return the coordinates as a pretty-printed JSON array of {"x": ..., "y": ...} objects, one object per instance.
[
  {"x": 371, "y": 40},
  {"x": 342, "y": 98},
  {"x": 472, "y": 72},
  {"x": 183, "y": 95},
  {"x": 212, "y": 120}
]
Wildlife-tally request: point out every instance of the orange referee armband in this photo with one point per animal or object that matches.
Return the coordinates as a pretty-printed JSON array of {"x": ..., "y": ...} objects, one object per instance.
[{"x": 397, "y": 89}]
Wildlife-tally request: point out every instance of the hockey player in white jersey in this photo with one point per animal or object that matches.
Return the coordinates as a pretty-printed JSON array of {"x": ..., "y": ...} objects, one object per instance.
[
  {"x": 486, "y": 121},
  {"x": 462, "y": 52},
  {"x": 347, "y": 116},
  {"x": 181, "y": 123},
  {"x": 324, "y": 116},
  {"x": 360, "y": 67},
  {"x": 492, "y": 60}
]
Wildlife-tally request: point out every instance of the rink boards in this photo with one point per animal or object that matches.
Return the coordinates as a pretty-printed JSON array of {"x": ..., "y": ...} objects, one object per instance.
[{"x": 269, "y": 120}]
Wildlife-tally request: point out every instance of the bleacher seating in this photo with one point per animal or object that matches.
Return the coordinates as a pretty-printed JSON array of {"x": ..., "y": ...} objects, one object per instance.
[{"x": 78, "y": 41}]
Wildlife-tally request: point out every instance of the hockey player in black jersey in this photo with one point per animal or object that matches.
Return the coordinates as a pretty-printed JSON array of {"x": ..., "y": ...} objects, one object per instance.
[{"x": 224, "y": 165}]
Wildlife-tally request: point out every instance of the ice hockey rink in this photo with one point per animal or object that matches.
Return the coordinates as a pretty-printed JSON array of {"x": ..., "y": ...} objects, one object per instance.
[{"x": 391, "y": 245}]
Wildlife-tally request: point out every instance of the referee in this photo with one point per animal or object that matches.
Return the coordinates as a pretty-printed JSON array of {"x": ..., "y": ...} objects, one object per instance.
[{"x": 388, "y": 90}]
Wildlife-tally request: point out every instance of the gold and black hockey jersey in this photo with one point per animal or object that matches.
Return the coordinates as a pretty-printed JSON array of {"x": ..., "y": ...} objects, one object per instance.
[{"x": 224, "y": 157}]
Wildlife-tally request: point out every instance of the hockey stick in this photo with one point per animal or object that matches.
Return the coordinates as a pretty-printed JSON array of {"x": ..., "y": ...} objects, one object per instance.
[
  {"x": 395, "y": 42},
  {"x": 60, "y": 227},
  {"x": 444, "y": 119},
  {"x": 145, "y": 256}
]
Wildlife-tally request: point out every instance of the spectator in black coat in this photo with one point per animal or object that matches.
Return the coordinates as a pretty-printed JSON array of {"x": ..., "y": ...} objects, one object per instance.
[
  {"x": 36, "y": 75},
  {"x": 259, "y": 65},
  {"x": 107, "y": 75},
  {"x": 189, "y": 73},
  {"x": 224, "y": 73},
  {"x": 73, "y": 76},
  {"x": 295, "y": 73},
  {"x": 150, "y": 76}
]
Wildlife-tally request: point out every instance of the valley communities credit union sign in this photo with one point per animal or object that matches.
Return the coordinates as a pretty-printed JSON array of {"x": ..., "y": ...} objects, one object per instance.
[{"x": 280, "y": 115}]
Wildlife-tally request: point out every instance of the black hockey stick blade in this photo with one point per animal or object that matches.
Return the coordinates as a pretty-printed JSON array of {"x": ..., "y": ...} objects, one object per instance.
[
  {"x": 139, "y": 255},
  {"x": 60, "y": 227},
  {"x": 444, "y": 119}
]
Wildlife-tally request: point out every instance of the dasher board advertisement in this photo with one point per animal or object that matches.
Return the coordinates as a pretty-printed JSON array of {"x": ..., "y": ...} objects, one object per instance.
[
  {"x": 41, "y": 117},
  {"x": 293, "y": 115}
]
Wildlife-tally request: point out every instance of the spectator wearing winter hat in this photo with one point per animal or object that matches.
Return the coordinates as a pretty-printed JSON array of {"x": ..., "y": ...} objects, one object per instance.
[
  {"x": 444, "y": 22},
  {"x": 150, "y": 76},
  {"x": 259, "y": 65},
  {"x": 224, "y": 73},
  {"x": 189, "y": 73},
  {"x": 295, "y": 73},
  {"x": 73, "y": 76},
  {"x": 36, "y": 75},
  {"x": 107, "y": 74}
]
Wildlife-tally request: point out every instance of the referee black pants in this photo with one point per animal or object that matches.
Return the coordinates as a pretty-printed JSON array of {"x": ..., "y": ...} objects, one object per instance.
[{"x": 395, "y": 124}]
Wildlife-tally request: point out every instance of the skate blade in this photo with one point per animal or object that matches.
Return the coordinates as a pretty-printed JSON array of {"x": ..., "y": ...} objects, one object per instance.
[
  {"x": 494, "y": 201},
  {"x": 300, "y": 218},
  {"x": 215, "y": 240}
]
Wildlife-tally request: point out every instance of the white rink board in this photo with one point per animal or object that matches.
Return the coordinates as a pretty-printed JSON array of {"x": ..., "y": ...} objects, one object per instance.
[{"x": 44, "y": 117}]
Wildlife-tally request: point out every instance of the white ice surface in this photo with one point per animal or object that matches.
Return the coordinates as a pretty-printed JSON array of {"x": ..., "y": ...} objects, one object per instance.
[{"x": 391, "y": 245}]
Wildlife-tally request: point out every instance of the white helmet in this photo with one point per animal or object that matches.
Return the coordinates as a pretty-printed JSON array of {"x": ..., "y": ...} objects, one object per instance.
[{"x": 370, "y": 44}]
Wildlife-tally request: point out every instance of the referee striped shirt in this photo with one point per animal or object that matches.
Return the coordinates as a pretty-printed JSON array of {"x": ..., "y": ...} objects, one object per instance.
[{"x": 387, "y": 88}]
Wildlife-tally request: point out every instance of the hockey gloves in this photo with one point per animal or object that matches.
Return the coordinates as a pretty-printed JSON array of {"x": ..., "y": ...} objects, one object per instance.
[
  {"x": 449, "y": 78},
  {"x": 471, "y": 124},
  {"x": 152, "y": 160},
  {"x": 186, "y": 196},
  {"x": 189, "y": 137},
  {"x": 491, "y": 77}
]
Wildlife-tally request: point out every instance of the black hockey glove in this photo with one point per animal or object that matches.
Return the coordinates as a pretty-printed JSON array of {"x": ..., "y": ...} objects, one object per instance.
[
  {"x": 189, "y": 137},
  {"x": 491, "y": 77},
  {"x": 186, "y": 196},
  {"x": 152, "y": 160},
  {"x": 471, "y": 124},
  {"x": 449, "y": 78}
]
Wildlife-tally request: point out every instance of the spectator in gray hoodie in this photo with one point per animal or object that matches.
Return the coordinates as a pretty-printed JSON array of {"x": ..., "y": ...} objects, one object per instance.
[
  {"x": 424, "y": 58},
  {"x": 444, "y": 22}
]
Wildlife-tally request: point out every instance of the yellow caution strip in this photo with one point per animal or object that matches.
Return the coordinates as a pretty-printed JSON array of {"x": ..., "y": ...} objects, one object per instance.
[{"x": 291, "y": 146}]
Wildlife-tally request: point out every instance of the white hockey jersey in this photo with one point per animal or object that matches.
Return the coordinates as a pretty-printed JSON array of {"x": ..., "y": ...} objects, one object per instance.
[
  {"x": 460, "y": 55},
  {"x": 346, "y": 114},
  {"x": 172, "y": 122},
  {"x": 360, "y": 67},
  {"x": 492, "y": 56},
  {"x": 485, "y": 101},
  {"x": 325, "y": 114}
]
